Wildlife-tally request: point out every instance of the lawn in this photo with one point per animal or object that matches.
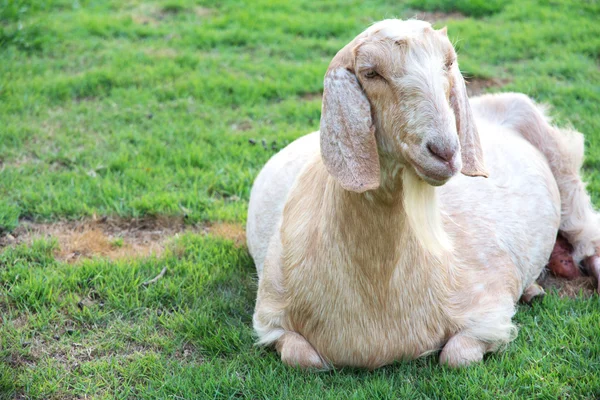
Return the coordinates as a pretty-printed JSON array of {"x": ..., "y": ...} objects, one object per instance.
[{"x": 130, "y": 134}]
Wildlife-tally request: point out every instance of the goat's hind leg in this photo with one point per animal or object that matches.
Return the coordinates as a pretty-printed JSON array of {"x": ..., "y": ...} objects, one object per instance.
[
  {"x": 592, "y": 264},
  {"x": 563, "y": 148},
  {"x": 489, "y": 329},
  {"x": 485, "y": 317}
]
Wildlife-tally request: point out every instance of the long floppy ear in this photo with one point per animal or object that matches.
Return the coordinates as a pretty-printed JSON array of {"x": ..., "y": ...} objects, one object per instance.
[
  {"x": 348, "y": 145},
  {"x": 471, "y": 151}
]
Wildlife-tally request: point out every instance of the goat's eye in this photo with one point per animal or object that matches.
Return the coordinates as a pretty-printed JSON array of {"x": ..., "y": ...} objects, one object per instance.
[
  {"x": 371, "y": 74},
  {"x": 448, "y": 65}
]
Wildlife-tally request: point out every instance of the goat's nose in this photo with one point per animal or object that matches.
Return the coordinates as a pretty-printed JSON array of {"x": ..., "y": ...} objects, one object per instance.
[{"x": 444, "y": 153}]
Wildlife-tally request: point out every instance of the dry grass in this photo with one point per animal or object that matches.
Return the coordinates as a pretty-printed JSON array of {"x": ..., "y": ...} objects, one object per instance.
[
  {"x": 116, "y": 238},
  {"x": 72, "y": 354},
  {"x": 435, "y": 17},
  {"x": 310, "y": 96},
  {"x": 202, "y": 11},
  {"x": 233, "y": 232},
  {"x": 568, "y": 288},
  {"x": 120, "y": 238},
  {"x": 478, "y": 86},
  {"x": 150, "y": 14}
]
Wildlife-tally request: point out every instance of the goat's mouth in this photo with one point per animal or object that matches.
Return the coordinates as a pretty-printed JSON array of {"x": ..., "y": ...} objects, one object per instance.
[
  {"x": 434, "y": 171},
  {"x": 431, "y": 177}
]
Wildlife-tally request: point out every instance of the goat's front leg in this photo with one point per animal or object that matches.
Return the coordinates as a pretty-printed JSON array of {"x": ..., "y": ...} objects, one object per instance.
[
  {"x": 295, "y": 351},
  {"x": 532, "y": 291},
  {"x": 592, "y": 265},
  {"x": 462, "y": 350},
  {"x": 293, "y": 348},
  {"x": 269, "y": 315}
]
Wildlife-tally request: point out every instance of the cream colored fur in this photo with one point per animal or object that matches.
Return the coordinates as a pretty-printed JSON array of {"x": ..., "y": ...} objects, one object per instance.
[
  {"x": 364, "y": 277},
  {"x": 421, "y": 206}
]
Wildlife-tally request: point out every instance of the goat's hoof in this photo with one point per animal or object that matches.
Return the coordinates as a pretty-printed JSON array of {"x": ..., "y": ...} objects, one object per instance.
[
  {"x": 592, "y": 265},
  {"x": 295, "y": 351},
  {"x": 532, "y": 291},
  {"x": 461, "y": 351}
]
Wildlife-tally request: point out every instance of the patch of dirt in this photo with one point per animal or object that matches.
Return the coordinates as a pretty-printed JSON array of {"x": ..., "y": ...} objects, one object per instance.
[
  {"x": 116, "y": 238},
  {"x": 311, "y": 96},
  {"x": 73, "y": 351},
  {"x": 202, "y": 11},
  {"x": 478, "y": 86},
  {"x": 187, "y": 353},
  {"x": 20, "y": 321},
  {"x": 568, "y": 288},
  {"x": 16, "y": 360},
  {"x": 20, "y": 162},
  {"x": 234, "y": 232},
  {"x": 72, "y": 354},
  {"x": 148, "y": 14},
  {"x": 434, "y": 17},
  {"x": 162, "y": 52},
  {"x": 241, "y": 126}
]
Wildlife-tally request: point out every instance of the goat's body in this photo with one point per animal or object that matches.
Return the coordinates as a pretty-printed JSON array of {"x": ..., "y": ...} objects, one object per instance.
[
  {"x": 382, "y": 297},
  {"x": 514, "y": 213},
  {"x": 270, "y": 191}
]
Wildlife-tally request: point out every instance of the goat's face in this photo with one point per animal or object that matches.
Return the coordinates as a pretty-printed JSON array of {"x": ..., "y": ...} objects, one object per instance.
[
  {"x": 407, "y": 81},
  {"x": 396, "y": 91}
]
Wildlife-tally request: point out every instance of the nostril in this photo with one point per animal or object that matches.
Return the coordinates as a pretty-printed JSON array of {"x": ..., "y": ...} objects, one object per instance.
[{"x": 444, "y": 153}]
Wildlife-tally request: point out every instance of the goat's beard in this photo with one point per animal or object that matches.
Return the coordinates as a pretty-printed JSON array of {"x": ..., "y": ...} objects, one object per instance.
[{"x": 423, "y": 213}]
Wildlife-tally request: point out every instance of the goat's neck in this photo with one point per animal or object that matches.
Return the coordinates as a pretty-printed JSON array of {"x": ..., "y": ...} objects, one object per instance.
[{"x": 405, "y": 201}]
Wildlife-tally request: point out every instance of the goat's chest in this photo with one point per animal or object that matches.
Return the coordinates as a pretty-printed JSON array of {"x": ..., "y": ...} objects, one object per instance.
[{"x": 363, "y": 311}]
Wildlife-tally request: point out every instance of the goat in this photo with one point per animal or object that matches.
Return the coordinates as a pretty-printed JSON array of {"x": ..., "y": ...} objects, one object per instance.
[{"x": 367, "y": 252}]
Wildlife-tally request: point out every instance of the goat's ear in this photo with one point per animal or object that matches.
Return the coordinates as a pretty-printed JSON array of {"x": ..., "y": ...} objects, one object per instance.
[
  {"x": 471, "y": 151},
  {"x": 348, "y": 145}
]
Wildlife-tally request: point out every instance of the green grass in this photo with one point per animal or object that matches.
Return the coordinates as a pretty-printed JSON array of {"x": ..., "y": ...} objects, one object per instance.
[{"x": 133, "y": 108}]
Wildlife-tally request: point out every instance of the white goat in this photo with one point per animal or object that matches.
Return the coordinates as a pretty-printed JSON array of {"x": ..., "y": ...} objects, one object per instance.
[{"x": 361, "y": 259}]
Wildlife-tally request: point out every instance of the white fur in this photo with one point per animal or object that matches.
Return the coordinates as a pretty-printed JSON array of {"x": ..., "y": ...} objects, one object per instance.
[
  {"x": 467, "y": 250},
  {"x": 264, "y": 215},
  {"x": 422, "y": 209}
]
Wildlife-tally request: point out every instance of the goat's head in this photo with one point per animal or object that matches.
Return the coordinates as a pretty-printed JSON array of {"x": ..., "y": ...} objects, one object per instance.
[{"x": 396, "y": 91}]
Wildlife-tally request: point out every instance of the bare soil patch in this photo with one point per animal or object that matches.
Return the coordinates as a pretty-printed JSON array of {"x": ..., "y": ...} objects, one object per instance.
[
  {"x": 116, "y": 238},
  {"x": 20, "y": 321},
  {"x": 165, "y": 52},
  {"x": 434, "y": 17},
  {"x": 203, "y": 11},
  {"x": 146, "y": 14},
  {"x": 235, "y": 232},
  {"x": 150, "y": 14},
  {"x": 312, "y": 96},
  {"x": 477, "y": 86},
  {"x": 568, "y": 288},
  {"x": 242, "y": 126},
  {"x": 72, "y": 354},
  {"x": 121, "y": 238}
]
